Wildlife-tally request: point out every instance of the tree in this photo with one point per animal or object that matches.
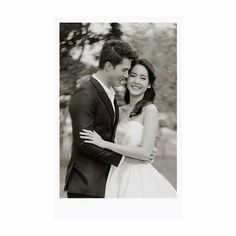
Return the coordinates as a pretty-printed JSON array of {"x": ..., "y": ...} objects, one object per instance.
[{"x": 77, "y": 36}]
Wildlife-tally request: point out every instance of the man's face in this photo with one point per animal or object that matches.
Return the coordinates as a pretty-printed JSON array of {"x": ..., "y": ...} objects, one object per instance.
[{"x": 120, "y": 72}]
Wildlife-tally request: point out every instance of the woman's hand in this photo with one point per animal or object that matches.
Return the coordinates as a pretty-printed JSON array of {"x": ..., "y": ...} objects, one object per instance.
[{"x": 93, "y": 138}]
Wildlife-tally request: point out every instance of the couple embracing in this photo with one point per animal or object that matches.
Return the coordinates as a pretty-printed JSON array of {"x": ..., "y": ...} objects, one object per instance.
[{"x": 112, "y": 147}]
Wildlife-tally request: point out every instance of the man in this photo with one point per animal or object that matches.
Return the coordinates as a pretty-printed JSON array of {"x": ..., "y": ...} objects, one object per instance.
[{"x": 93, "y": 107}]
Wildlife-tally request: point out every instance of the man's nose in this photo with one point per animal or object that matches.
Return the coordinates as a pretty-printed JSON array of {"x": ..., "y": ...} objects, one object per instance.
[{"x": 126, "y": 75}]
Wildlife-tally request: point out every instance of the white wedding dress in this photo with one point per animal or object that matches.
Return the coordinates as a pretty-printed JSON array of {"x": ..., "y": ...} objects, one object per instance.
[{"x": 133, "y": 178}]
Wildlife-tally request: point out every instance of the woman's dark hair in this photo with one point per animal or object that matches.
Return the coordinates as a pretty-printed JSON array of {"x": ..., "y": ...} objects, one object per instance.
[
  {"x": 115, "y": 51},
  {"x": 149, "y": 94}
]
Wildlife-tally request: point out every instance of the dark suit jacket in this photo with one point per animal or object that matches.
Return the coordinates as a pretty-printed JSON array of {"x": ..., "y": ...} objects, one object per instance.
[{"x": 90, "y": 108}]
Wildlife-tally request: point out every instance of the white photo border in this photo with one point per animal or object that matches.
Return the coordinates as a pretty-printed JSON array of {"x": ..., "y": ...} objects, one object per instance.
[{"x": 150, "y": 208}]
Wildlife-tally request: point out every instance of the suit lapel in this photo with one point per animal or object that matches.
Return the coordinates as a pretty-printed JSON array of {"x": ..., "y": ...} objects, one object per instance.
[
  {"x": 117, "y": 113},
  {"x": 104, "y": 97},
  {"x": 116, "y": 120}
]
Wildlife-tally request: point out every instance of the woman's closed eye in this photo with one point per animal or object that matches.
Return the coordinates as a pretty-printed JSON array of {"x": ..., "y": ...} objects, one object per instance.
[{"x": 132, "y": 75}]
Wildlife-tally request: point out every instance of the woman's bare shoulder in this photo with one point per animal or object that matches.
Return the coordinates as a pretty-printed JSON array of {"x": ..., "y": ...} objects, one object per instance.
[
  {"x": 150, "y": 108},
  {"x": 150, "y": 115}
]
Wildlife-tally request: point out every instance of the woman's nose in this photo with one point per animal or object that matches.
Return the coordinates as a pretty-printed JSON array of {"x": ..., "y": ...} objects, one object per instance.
[{"x": 136, "y": 79}]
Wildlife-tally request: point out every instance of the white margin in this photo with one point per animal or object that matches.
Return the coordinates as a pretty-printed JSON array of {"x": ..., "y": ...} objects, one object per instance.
[{"x": 150, "y": 208}]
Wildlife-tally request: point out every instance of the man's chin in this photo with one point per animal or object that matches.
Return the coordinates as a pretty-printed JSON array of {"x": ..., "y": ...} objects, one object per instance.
[
  {"x": 120, "y": 83},
  {"x": 117, "y": 84}
]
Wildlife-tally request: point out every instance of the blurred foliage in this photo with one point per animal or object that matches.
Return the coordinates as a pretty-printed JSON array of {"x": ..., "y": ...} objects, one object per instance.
[
  {"x": 77, "y": 36},
  {"x": 157, "y": 42},
  {"x": 154, "y": 41}
]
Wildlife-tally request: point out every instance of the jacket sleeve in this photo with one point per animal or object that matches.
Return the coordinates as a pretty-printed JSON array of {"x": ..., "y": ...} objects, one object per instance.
[{"x": 83, "y": 106}]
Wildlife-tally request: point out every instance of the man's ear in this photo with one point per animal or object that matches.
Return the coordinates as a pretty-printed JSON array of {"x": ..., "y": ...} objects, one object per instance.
[{"x": 108, "y": 66}]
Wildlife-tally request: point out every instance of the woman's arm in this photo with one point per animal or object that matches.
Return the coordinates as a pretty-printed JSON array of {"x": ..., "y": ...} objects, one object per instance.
[{"x": 149, "y": 136}]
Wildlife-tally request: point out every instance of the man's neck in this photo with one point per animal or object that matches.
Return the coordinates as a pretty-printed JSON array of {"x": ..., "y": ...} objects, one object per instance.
[{"x": 103, "y": 78}]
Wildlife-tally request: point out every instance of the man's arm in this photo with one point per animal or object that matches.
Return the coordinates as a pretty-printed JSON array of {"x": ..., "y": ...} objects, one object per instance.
[{"x": 82, "y": 110}]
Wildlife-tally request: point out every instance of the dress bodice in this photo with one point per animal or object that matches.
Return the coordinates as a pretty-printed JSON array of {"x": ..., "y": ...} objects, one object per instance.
[
  {"x": 129, "y": 133},
  {"x": 134, "y": 178}
]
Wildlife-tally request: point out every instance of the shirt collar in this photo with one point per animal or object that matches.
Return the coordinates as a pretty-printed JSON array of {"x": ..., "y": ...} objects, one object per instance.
[{"x": 110, "y": 92}]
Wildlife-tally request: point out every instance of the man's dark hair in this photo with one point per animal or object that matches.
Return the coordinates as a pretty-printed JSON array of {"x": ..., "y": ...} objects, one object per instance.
[{"x": 115, "y": 51}]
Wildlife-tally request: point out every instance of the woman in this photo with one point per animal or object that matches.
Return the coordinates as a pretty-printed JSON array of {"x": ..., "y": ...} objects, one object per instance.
[{"x": 135, "y": 139}]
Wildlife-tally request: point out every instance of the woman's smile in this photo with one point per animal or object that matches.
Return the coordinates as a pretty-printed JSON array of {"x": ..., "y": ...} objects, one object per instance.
[{"x": 135, "y": 86}]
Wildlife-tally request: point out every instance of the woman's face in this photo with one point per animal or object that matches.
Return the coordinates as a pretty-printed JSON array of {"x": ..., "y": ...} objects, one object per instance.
[{"x": 138, "y": 80}]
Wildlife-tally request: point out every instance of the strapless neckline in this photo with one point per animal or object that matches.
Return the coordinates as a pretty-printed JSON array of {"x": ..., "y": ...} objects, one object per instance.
[{"x": 129, "y": 133}]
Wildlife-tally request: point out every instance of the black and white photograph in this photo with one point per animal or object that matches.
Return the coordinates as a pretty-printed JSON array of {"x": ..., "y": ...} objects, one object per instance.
[
  {"x": 118, "y": 110},
  {"x": 117, "y": 118}
]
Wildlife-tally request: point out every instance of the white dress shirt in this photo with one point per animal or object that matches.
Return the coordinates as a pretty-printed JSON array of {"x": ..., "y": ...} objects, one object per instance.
[{"x": 110, "y": 92}]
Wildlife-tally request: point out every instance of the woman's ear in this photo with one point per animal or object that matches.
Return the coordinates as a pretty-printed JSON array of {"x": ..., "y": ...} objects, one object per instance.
[{"x": 149, "y": 86}]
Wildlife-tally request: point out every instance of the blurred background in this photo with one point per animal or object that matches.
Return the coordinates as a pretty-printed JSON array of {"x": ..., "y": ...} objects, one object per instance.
[{"x": 80, "y": 44}]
